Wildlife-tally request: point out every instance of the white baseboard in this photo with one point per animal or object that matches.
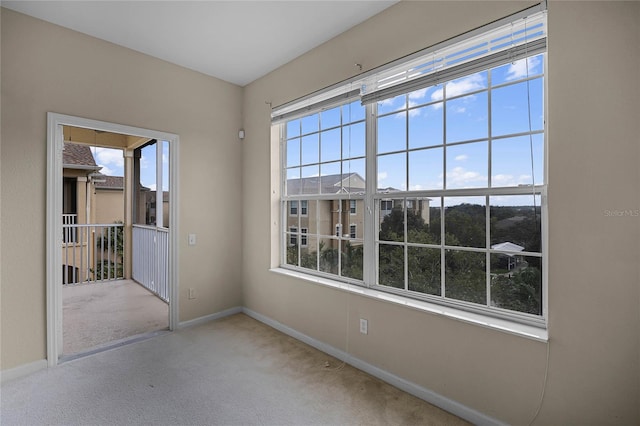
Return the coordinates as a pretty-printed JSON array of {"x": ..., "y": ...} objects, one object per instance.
[
  {"x": 211, "y": 317},
  {"x": 22, "y": 371},
  {"x": 423, "y": 393}
]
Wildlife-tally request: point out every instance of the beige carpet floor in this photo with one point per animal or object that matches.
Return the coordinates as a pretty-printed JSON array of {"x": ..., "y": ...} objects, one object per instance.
[
  {"x": 234, "y": 371},
  {"x": 100, "y": 313}
]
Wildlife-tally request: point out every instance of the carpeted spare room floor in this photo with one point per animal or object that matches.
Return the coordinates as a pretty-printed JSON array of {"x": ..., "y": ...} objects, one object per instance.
[{"x": 233, "y": 371}]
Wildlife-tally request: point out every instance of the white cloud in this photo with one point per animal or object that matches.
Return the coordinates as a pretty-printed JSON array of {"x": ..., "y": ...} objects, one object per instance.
[
  {"x": 382, "y": 176},
  {"x": 418, "y": 94},
  {"x": 509, "y": 180},
  {"x": 106, "y": 170},
  {"x": 502, "y": 180},
  {"x": 111, "y": 161},
  {"x": 459, "y": 177},
  {"x": 519, "y": 68},
  {"x": 151, "y": 187},
  {"x": 458, "y": 87},
  {"x": 462, "y": 157}
]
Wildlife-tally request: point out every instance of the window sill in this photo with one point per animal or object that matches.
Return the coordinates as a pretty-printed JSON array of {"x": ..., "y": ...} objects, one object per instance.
[{"x": 498, "y": 324}]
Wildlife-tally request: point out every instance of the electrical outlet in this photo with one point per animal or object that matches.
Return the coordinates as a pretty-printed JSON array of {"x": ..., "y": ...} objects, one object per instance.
[
  {"x": 192, "y": 293},
  {"x": 364, "y": 326}
]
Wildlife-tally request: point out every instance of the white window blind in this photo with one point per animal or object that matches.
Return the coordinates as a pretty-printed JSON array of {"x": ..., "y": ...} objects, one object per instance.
[
  {"x": 506, "y": 40},
  {"x": 509, "y": 42}
]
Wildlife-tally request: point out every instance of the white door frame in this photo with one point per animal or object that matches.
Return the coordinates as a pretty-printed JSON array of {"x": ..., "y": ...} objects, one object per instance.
[{"x": 55, "y": 145}]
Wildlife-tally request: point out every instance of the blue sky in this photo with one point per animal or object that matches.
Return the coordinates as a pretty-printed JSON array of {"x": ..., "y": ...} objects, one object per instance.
[{"x": 112, "y": 163}]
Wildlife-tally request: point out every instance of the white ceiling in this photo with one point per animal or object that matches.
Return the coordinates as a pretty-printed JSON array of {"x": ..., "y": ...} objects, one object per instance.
[{"x": 236, "y": 41}]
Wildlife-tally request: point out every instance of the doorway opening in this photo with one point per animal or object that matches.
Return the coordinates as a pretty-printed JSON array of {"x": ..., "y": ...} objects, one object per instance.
[{"x": 112, "y": 207}]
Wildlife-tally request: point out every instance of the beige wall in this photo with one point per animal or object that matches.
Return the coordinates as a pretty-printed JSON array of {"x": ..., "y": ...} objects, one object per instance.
[
  {"x": 48, "y": 68},
  {"x": 594, "y": 374},
  {"x": 109, "y": 205},
  {"x": 594, "y": 358}
]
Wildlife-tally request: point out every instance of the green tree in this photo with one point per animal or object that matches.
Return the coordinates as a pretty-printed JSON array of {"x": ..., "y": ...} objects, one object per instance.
[
  {"x": 518, "y": 291},
  {"x": 352, "y": 261}
]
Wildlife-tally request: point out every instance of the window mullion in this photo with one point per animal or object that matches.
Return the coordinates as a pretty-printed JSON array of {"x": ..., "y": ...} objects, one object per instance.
[
  {"x": 283, "y": 201},
  {"x": 487, "y": 265},
  {"x": 370, "y": 258}
]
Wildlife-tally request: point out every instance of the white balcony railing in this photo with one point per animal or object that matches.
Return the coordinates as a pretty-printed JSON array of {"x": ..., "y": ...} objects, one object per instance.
[
  {"x": 91, "y": 252},
  {"x": 69, "y": 234},
  {"x": 151, "y": 259}
]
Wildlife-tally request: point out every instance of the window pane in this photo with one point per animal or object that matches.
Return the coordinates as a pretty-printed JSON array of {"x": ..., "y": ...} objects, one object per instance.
[
  {"x": 294, "y": 186},
  {"x": 310, "y": 184},
  {"x": 465, "y": 221},
  {"x": 424, "y": 270},
  {"x": 320, "y": 217},
  {"x": 517, "y": 70},
  {"x": 293, "y": 128},
  {"x": 511, "y": 161},
  {"x": 467, "y": 118},
  {"x": 293, "y": 152},
  {"x": 511, "y": 107},
  {"x": 330, "y": 118},
  {"x": 425, "y": 169},
  {"x": 352, "y": 260},
  {"x": 391, "y": 265},
  {"x": 352, "y": 112},
  {"x": 392, "y": 133},
  {"x": 420, "y": 228},
  {"x": 353, "y": 175},
  {"x": 310, "y": 152},
  {"x": 292, "y": 247},
  {"x": 353, "y": 140},
  {"x": 515, "y": 223},
  {"x": 516, "y": 283},
  {"x": 330, "y": 181},
  {"x": 309, "y": 252},
  {"x": 467, "y": 165},
  {"x": 465, "y": 276},
  {"x": 330, "y": 145},
  {"x": 392, "y": 223},
  {"x": 310, "y": 124},
  {"x": 425, "y": 126},
  {"x": 435, "y": 218},
  {"x": 328, "y": 255},
  {"x": 393, "y": 104},
  {"x": 392, "y": 172}
]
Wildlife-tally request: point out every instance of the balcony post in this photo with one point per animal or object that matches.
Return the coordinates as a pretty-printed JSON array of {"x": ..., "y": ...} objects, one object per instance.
[{"x": 129, "y": 183}]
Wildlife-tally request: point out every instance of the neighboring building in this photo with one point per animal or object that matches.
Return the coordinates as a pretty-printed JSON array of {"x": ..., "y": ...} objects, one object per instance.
[
  {"x": 109, "y": 199},
  {"x": 78, "y": 174},
  {"x": 342, "y": 217}
]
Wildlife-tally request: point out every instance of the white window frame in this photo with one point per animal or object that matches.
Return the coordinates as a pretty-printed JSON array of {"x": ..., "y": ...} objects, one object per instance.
[
  {"x": 353, "y": 209},
  {"x": 372, "y": 197}
]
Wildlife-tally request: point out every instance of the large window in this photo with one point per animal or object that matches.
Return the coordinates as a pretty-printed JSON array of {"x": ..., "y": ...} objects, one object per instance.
[{"x": 439, "y": 182}]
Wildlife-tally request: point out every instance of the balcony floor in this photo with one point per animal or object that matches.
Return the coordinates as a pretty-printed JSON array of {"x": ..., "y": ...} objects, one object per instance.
[{"x": 100, "y": 313}]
